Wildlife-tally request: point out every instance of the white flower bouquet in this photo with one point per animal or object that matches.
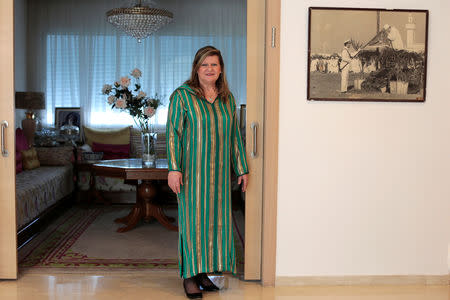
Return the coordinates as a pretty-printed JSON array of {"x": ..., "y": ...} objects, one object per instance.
[{"x": 134, "y": 101}]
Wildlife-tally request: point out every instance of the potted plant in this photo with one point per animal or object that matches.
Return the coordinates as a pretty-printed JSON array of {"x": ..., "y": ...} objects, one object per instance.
[{"x": 377, "y": 81}]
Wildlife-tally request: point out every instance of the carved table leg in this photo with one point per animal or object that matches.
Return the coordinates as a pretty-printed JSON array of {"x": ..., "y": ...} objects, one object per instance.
[
  {"x": 133, "y": 217},
  {"x": 152, "y": 210},
  {"x": 145, "y": 208},
  {"x": 163, "y": 219}
]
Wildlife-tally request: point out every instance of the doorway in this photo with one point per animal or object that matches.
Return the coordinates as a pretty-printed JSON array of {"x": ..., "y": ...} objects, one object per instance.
[{"x": 255, "y": 59}]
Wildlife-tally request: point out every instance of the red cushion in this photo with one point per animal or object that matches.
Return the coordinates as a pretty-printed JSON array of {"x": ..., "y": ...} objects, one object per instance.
[
  {"x": 19, "y": 166},
  {"x": 21, "y": 144},
  {"x": 112, "y": 151}
]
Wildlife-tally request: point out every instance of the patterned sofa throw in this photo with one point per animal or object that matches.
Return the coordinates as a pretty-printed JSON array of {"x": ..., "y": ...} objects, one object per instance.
[
  {"x": 55, "y": 156},
  {"x": 38, "y": 189}
]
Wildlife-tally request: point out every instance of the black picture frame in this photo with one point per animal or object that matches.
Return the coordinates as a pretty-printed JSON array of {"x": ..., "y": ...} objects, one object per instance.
[
  {"x": 63, "y": 114},
  {"x": 390, "y": 66}
]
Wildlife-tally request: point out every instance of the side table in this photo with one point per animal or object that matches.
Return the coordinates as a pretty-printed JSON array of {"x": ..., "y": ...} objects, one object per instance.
[{"x": 146, "y": 206}]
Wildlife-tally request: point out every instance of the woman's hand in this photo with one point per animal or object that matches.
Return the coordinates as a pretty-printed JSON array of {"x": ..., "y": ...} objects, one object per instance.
[
  {"x": 244, "y": 180},
  {"x": 175, "y": 180}
]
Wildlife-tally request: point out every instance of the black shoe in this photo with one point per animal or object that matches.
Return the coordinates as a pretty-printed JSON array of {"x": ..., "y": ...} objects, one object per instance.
[
  {"x": 205, "y": 283},
  {"x": 191, "y": 281}
]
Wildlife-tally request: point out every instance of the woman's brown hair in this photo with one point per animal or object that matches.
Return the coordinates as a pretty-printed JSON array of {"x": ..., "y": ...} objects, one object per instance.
[{"x": 223, "y": 92}]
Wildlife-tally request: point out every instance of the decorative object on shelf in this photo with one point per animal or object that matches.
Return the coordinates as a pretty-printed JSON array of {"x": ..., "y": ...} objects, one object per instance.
[
  {"x": 30, "y": 101},
  {"x": 139, "y": 21},
  {"x": 68, "y": 120},
  {"x": 47, "y": 137},
  {"x": 139, "y": 106}
]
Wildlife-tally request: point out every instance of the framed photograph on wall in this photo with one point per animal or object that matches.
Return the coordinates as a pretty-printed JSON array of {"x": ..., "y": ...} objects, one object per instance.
[
  {"x": 358, "y": 54},
  {"x": 67, "y": 116}
]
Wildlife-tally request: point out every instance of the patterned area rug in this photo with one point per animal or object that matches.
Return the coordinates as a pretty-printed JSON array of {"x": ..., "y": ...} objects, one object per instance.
[{"x": 86, "y": 239}]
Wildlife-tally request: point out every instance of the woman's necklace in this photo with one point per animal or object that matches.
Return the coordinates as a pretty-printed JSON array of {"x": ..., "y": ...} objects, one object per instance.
[{"x": 211, "y": 96}]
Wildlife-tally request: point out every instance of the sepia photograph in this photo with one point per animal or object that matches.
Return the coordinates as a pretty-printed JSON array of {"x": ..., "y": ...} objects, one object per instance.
[{"x": 357, "y": 54}]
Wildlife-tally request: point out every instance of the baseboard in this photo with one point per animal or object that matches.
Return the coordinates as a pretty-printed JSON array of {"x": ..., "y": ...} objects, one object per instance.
[{"x": 363, "y": 280}]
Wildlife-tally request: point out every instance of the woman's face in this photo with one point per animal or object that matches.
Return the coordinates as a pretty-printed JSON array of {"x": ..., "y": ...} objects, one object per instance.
[{"x": 209, "y": 70}]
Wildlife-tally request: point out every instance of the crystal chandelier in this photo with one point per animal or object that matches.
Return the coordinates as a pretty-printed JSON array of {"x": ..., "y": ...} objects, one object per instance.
[{"x": 139, "y": 21}]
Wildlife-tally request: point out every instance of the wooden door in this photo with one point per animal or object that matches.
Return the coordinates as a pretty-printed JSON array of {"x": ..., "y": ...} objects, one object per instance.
[
  {"x": 254, "y": 137},
  {"x": 271, "y": 117},
  {"x": 8, "y": 242},
  {"x": 263, "y": 61}
]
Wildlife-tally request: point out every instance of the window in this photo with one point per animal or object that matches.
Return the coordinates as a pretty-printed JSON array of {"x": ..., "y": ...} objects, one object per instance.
[{"x": 78, "y": 67}]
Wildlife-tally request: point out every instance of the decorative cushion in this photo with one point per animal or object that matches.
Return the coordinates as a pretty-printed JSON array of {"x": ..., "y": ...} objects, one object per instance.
[
  {"x": 55, "y": 156},
  {"x": 112, "y": 151},
  {"x": 21, "y": 144},
  {"x": 30, "y": 159},
  {"x": 107, "y": 136}
]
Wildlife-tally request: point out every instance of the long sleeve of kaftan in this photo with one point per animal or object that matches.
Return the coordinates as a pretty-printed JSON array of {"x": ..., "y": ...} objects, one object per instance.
[
  {"x": 174, "y": 132},
  {"x": 238, "y": 158}
]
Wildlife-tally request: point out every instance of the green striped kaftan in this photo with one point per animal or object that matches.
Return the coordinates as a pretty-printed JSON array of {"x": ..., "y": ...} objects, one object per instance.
[{"x": 203, "y": 139}]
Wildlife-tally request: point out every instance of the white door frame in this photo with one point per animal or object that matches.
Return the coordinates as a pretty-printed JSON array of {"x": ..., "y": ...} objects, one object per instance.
[{"x": 8, "y": 231}]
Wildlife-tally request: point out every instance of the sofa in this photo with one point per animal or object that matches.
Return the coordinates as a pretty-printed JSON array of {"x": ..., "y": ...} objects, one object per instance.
[
  {"x": 44, "y": 177},
  {"x": 115, "y": 143}
]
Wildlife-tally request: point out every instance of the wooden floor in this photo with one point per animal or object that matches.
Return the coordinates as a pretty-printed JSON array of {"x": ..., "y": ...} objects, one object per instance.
[{"x": 167, "y": 286}]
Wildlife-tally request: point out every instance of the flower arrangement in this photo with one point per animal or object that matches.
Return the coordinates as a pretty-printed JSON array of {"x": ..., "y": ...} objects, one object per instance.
[{"x": 134, "y": 101}]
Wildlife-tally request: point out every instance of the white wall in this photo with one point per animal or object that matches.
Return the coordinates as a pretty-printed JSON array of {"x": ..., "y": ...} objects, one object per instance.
[
  {"x": 364, "y": 188},
  {"x": 20, "y": 44}
]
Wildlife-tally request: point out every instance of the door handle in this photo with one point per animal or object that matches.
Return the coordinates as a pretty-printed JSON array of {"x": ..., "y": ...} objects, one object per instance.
[
  {"x": 254, "y": 127},
  {"x": 4, "y": 125}
]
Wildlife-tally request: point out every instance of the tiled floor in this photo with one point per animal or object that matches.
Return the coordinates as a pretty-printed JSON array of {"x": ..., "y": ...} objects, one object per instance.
[{"x": 167, "y": 285}]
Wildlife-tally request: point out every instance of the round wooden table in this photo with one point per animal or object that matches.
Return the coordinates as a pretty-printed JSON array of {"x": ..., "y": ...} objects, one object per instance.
[{"x": 146, "y": 207}]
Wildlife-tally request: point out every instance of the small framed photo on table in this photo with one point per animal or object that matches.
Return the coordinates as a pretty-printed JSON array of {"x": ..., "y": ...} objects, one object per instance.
[
  {"x": 67, "y": 116},
  {"x": 69, "y": 119},
  {"x": 362, "y": 54}
]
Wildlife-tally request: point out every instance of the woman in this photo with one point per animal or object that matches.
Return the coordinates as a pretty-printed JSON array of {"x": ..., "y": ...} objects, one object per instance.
[{"x": 203, "y": 139}]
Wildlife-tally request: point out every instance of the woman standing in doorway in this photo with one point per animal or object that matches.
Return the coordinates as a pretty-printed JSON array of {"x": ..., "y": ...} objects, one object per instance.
[{"x": 203, "y": 141}]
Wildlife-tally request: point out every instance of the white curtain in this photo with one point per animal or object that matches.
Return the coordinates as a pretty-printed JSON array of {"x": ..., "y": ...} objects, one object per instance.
[{"x": 73, "y": 51}]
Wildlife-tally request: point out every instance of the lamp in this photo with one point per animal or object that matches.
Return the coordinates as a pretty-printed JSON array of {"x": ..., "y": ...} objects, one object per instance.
[
  {"x": 139, "y": 21},
  {"x": 30, "y": 101}
]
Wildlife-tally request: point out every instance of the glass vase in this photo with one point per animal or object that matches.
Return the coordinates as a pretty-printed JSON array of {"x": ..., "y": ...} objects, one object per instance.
[{"x": 148, "y": 140}]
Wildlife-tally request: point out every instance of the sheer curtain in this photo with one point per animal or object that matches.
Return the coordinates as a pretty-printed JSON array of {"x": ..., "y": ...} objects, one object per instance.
[{"x": 73, "y": 51}]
